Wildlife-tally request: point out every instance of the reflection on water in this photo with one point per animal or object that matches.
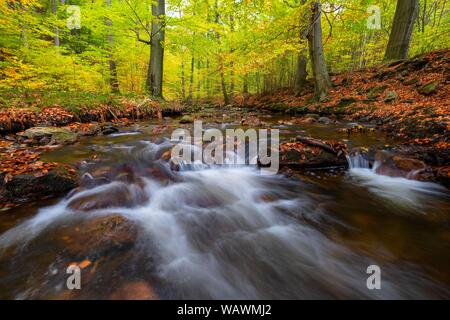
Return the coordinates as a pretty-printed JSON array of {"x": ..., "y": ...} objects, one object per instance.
[{"x": 221, "y": 233}]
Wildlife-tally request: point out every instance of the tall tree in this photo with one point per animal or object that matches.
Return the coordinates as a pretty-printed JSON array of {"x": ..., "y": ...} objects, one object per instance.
[
  {"x": 54, "y": 10},
  {"x": 113, "y": 82},
  {"x": 155, "y": 69},
  {"x": 322, "y": 80},
  {"x": 302, "y": 60},
  {"x": 402, "y": 28}
]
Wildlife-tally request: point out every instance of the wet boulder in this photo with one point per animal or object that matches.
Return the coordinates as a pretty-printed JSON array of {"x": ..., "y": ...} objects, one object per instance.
[
  {"x": 136, "y": 290},
  {"x": 104, "y": 234},
  {"x": 109, "y": 129},
  {"x": 113, "y": 195},
  {"x": 393, "y": 165},
  {"x": 28, "y": 187},
  {"x": 305, "y": 152},
  {"x": 324, "y": 120}
]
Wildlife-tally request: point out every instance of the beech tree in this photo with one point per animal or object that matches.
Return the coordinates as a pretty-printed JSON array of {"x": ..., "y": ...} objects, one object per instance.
[
  {"x": 402, "y": 28},
  {"x": 155, "y": 69},
  {"x": 322, "y": 80}
]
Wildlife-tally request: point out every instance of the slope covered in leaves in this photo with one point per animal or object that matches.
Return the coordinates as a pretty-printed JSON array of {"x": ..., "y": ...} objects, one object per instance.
[{"x": 409, "y": 99}]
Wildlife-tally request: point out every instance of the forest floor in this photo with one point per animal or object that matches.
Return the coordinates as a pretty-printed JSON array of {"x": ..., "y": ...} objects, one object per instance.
[{"x": 406, "y": 99}]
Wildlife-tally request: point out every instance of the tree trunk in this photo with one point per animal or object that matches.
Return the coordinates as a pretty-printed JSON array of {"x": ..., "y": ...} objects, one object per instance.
[
  {"x": 191, "y": 81},
  {"x": 322, "y": 80},
  {"x": 245, "y": 89},
  {"x": 155, "y": 69},
  {"x": 183, "y": 81},
  {"x": 54, "y": 9},
  {"x": 301, "y": 74},
  {"x": 113, "y": 82},
  {"x": 226, "y": 98},
  {"x": 402, "y": 28},
  {"x": 199, "y": 64}
]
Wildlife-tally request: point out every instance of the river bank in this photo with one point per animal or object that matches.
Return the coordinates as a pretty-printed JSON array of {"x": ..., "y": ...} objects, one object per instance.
[{"x": 406, "y": 100}]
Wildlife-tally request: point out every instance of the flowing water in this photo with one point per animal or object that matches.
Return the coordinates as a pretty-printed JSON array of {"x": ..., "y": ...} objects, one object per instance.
[{"x": 223, "y": 232}]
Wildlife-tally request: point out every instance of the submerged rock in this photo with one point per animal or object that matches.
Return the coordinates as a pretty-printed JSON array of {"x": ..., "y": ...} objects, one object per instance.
[
  {"x": 114, "y": 195},
  {"x": 137, "y": 290},
  {"x": 103, "y": 234}
]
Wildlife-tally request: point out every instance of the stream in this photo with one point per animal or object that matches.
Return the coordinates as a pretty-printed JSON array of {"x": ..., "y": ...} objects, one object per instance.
[{"x": 227, "y": 232}]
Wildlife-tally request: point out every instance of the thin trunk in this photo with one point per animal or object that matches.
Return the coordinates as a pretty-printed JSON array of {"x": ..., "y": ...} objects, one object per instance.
[
  {"x": 226, "y": 98},
  {"x": 402, "y": 28},
  {"x": 245, "y": 89},
  {"x": 322, "y": 80},
  {"x": 232, "y": 85},
  {"x": 191, "y": 81},
  {"x": 302, "y": 60},
  {"x": 54, "y": 9},
  {"x": 113, "y": 82},
  {"x": 223, "y": 84},
  {"x": 154, "y": 81},
  {"x": 183, "y": 81},
  {"x": 208, "y": 80},
  {"x": 198, "y": 79}
]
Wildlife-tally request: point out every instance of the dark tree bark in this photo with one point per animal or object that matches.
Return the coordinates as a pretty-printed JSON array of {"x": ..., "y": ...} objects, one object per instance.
[
  {"x": 402, "y": 28},
  {"x": 155, "y": 69},
  {"x": 302, "y": 60},
  {"x": 301, "y": 73},
  {"x": 322, "y": 80}
]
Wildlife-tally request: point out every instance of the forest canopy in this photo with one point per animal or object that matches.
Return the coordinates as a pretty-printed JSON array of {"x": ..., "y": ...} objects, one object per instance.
[{"x": 209, "y": 46}]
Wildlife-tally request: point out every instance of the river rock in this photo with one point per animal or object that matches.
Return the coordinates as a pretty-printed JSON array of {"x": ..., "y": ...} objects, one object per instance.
[
  {"x": 391, "y": 96},
  {"x": 109, "y": 130},
  {"x": 103, "y": 234},
  {"x": 312, "y": 153},
  {"x": 393, "y": 165},
  {"x": 113, "y": 195},
  {"x": 429, "y": 88},
  {"x": 186, "y": 119},
  {"x": 324, "y": 120},
  {"x": 50, "y": 135},
  {"x": 312, "y": 115},
  {"x": 26, "y": 188},
  {"x": 136, "y": 290}
]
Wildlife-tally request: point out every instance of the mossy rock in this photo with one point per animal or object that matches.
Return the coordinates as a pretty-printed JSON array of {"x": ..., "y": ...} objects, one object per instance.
[
  {"x": 186, "y": 119},
  {"x": 54, "y": 134},
  {"x": 429, "y": 88}
]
